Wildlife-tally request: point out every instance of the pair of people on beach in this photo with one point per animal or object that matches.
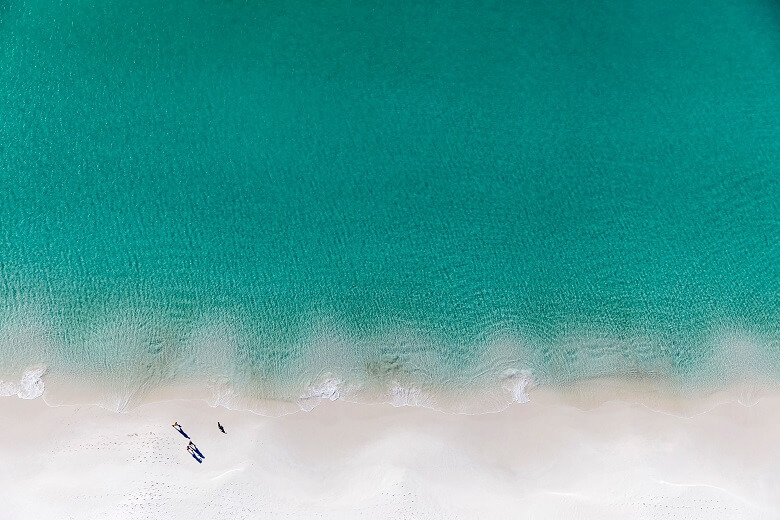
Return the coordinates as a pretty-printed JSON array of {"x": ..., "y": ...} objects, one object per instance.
[{"x": 195, "y": 452}]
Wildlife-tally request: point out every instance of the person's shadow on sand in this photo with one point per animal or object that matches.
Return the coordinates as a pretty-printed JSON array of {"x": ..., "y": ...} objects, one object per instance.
[
  {"x": 180, "y": 430},
  {"x": 194, "y": 449},
  {"x": 195, "y": 452}
]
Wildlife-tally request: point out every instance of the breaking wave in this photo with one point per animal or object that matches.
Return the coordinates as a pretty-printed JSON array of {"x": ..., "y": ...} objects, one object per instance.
[{"x": 30, "y": 386}]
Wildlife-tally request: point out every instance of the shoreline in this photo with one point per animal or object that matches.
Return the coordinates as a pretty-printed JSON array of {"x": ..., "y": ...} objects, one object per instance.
[{"x": 654, "y": 394}]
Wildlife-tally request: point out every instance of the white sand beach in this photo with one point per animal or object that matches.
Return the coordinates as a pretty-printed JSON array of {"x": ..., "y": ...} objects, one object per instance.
[{"x": 543, "y": 459}]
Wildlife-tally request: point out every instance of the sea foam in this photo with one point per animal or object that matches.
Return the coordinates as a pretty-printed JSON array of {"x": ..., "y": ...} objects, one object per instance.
[
  {"x": 409, "y": 396},
  {"x": 330, "y": 389},
  {"x": 29, "y": 387},
  {"x": 518, "y": 383}
]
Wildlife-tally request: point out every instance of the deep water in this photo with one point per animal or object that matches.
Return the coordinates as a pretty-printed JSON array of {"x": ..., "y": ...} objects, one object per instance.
[{"x": 392, "y": 194}]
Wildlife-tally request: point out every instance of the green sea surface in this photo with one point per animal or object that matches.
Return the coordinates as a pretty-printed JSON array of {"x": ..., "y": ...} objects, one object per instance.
[{"x": 418, "y": 193}]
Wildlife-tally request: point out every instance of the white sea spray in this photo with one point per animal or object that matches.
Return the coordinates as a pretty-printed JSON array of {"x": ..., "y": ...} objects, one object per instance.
[
  {"x": 331, "y": 388},
  {"x": 29, "y": 387},
  {"x": 409, "y": 396},
  {"x": 517, "y": 383}
]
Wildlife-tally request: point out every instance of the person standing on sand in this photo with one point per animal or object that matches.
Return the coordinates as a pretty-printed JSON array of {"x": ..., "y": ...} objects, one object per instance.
[{"x": 221, "y": 428}]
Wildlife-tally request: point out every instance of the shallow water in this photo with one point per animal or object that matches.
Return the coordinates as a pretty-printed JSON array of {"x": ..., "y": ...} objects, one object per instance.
[{"x": 404, "y": 195}]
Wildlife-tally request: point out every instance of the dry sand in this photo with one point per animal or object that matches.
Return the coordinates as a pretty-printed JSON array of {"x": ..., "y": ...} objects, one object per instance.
[{"x": 544, "y": 459}]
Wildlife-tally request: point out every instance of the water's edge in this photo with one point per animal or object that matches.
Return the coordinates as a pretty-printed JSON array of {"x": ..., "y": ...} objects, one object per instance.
[{"x": 663, "y": 397}]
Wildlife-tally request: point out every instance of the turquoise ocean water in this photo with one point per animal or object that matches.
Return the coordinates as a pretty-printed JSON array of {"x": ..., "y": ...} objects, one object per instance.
[{"x": 420, "y": 195}]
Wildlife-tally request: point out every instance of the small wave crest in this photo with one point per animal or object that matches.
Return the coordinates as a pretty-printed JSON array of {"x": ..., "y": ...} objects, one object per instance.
[
  {"x": 518, "y": 383},
  {"x": 29, "y": 387},
  {"x": 331, "y": 389},
  {"x": 409, "y": 396}
]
